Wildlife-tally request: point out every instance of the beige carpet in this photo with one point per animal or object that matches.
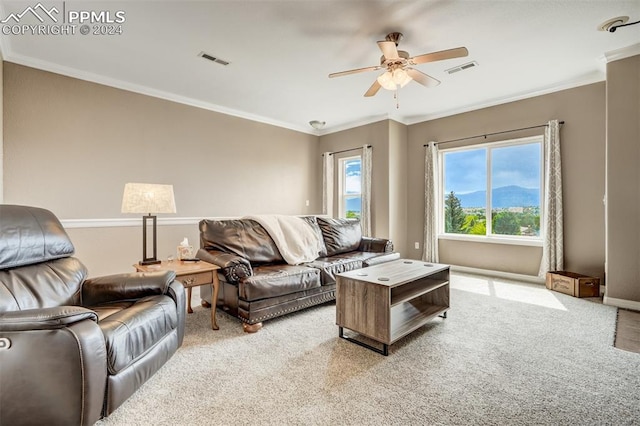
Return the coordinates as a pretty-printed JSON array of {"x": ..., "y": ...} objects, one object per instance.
[{"x": 508, "y": 354}]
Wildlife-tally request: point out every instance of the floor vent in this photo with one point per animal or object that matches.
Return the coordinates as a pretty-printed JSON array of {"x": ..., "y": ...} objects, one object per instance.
[
  {"x": 213, "y": 59},
  {"x": 462, "y": 67}
]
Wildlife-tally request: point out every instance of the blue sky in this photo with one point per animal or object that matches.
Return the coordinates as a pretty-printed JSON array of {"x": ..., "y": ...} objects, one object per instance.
[
  {"x": 352, "y": 172},
  {"x": 466, "y": 171}
]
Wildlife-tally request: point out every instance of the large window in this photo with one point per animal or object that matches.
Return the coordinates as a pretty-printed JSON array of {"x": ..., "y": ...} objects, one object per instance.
[
  {"x": 493, "y": 189},
  {"x": 350, "y": 198}
]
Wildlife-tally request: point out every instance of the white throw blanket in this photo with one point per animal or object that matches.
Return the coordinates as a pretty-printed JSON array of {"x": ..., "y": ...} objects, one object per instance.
[{"x": 294, "y": 237}]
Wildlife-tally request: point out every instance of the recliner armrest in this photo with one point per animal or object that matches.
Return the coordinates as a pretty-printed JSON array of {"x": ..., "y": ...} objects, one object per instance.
[
  {"x": 45, "y": 318},
  {"x": 376, "y": 245},
  {"x": 232, "y": 266},
  {"x": 134, "y": 285}
]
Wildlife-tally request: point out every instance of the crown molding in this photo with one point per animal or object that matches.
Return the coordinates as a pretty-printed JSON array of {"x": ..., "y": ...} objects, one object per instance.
[
  {"x": 354, "y": 124},
  {"x": 590, "y": 78},
  {"x": 143, "y": 90},
  {"x": 594, "y": 77},
  {"x": 623, "y": 53}
]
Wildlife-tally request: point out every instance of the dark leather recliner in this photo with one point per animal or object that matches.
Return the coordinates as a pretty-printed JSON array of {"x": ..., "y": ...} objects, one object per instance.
[{"x": 73, "y": 349}]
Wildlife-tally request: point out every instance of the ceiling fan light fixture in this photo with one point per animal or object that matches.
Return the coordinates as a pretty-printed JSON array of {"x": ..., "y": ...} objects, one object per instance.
[
  {"x": 391, "y": 80},
  {"x": 386, "y": 80},
  {"x": 400, "y": 77}
]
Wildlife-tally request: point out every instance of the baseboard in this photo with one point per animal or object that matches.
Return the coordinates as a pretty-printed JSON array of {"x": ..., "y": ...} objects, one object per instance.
[
  {"x": 498, "y": 274},
  {"x": 621, "y": 303}
]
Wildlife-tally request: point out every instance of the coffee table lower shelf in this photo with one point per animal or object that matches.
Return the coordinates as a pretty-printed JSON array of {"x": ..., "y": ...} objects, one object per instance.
[{"x": 385, "y": 346}]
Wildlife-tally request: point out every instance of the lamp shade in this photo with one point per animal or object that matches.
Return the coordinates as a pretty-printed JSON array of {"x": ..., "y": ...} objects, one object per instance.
[{"x": 148, "y": 198}]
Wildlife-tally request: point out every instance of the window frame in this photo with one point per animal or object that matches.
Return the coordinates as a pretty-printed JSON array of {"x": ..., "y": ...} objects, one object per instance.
[
  {"x": 490, "y": 237},
  {"x": 342, "y": 195}
]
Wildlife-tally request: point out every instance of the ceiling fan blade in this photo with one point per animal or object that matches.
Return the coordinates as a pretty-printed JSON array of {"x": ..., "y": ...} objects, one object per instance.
[
  {"x": 458, "y": 52},
  {"x": 373, "y": 89},
  {"x": 422, "y": 78},
  {"x": 389, "y": 49},
  {"x": 354, "y": 71}
]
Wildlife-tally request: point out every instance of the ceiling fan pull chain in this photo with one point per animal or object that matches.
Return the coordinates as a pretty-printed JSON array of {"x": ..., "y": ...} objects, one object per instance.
[{"x": 397, "y": 98}]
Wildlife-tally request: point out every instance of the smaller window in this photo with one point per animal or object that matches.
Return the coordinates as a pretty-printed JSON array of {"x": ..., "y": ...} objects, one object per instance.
[{"x": 350, "y": 192}]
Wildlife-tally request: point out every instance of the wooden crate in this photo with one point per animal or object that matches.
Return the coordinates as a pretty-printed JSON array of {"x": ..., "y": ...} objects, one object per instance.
[{"x": 573, "y": 284}]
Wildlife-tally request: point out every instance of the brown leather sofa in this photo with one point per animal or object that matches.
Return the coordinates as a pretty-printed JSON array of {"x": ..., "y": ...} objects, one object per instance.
[
  {"x": 73, "y": 349},
  {"x": 256, "y": 284}
]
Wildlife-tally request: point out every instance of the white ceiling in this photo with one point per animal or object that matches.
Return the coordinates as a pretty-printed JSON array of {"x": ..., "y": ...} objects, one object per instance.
[{"x": 281, "y": 52}]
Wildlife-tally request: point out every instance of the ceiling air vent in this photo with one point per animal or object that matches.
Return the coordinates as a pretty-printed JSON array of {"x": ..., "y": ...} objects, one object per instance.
[
  {"x": 213, "y": 58},
  {"x": 462, "y": 67}
]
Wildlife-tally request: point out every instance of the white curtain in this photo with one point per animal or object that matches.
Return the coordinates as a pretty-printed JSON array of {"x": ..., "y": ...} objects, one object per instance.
[
  {"x": 553, "y": 245},
  {"x": 430, "y": 243},
  {"x": 365, "y": 214},
  {"x": 327, "y": 183}
]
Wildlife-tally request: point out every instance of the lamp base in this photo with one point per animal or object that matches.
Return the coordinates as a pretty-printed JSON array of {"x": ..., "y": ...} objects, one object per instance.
[{"x": 150, "y": 262}]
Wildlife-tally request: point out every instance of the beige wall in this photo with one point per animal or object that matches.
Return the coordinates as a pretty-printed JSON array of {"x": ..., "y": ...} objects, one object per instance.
[
  {"x": 623, "y": 182},
  {"x": 398, "y": 186},
  {"x": 71, "y": 145}
]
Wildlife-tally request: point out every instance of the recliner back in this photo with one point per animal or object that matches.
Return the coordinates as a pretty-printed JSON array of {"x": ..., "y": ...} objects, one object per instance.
[
  {"x": 43, "y": 285},
  {"x": 36, "y": 267}
]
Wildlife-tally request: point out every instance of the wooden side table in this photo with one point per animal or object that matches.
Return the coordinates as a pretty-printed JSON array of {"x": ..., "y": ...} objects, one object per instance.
[{"x": 191, "y": 274}]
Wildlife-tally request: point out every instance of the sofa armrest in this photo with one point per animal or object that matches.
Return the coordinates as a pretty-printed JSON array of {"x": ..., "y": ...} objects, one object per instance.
[
  {"x": 45, "y": 318},
  {"x": 376, "y": 245},
  {"x": 234, "y": 268},
  {"x": 131, "y": 286}
]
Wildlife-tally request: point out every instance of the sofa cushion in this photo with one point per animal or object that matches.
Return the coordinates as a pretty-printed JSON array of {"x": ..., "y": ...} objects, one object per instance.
[
  {"x": 330, "y": 266},
  {"x": 243, "y": 237},
  {"x": 276, "y": 280},
  {"x": 313, "y": 222},
  {"x": 340, "y": 235},
  {"x": 369, "y": 258},
  {"x": 131, "y": 328}
]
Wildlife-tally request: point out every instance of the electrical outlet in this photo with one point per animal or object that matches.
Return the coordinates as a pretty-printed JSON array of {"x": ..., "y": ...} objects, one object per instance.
[
  {"x": 306, "y": 203},
  {"x": 417, "y": 245}
]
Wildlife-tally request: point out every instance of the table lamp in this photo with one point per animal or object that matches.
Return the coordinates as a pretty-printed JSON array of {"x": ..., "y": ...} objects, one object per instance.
[{"x": 151, "y": 199}]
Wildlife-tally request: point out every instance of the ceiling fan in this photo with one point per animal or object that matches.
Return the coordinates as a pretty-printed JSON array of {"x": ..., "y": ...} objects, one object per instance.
[{"x": 397, "y": 64}]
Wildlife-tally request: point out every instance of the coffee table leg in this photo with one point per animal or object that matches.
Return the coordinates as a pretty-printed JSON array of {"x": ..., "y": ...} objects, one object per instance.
[
  {"x": 385, "y": 347},
  {"x": 215, "y": 287},
  {"x": 189, "y": 300}
]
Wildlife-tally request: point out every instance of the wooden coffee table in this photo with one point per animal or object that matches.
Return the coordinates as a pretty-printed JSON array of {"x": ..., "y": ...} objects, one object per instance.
[
  {"x": 191, "y": 274},
  {"x": 388, "y": 301}
]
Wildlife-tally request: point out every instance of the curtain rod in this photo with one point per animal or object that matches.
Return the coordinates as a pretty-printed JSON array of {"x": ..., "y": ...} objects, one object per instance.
[
  {"x": 347, "y": 150},
  {"x": 492, "y": 134}
]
